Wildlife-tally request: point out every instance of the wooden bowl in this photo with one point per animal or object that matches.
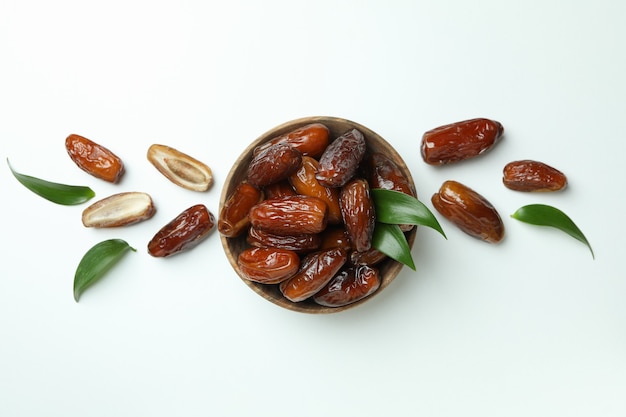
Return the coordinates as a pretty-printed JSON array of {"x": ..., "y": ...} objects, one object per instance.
[{"x": 388, "y": 269}]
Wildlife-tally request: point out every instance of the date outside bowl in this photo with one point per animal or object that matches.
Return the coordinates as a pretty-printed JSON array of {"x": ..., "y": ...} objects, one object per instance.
[{"x": 388, "y": 269}]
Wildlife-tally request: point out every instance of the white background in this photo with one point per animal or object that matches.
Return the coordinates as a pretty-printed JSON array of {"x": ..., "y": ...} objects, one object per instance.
[{"x": 532, "y": 326}]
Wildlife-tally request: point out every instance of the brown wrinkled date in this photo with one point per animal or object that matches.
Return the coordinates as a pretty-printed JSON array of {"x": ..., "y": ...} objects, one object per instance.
[
  {"x": 357, "y": 211},
  {"x": 234, "y": 216},
  {"x": 304, "y": 182},
  {"x": 348, "y": 286},
  {"x": 94, "y": 159},
  {"x": 532, "y": 176},
  {"x": 340, "y": 160},
  {"x": 458, "y": 141},
  {"x": 273, "y": 164},
  {"x": 310, "y": 140},
  {"x": 186, "y": 231},
  {"x": 268, "y": 265},
  {"x": 469, "y": 211},
  {"x": 293, "y": 215},
  {"x": 301, "y": 243},
  {"x": 316, "y": 270}
]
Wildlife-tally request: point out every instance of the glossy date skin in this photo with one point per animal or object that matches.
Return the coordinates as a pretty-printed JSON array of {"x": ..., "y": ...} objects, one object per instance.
[
  {"x": 301, "y": 243},
  {"x": 459, "y": 141},
  {"x": 94, "y": 159},
  {"x": 316, "y": 270},
  {"x": 358, "y": 213},
  {"x": 293, "y": 215},
  {"x": 273, "y": 164},
  {"x": 234, "y": 217},
  {"x": 268, "y": 265},
  {"x": 469, "y": 211},
  {"x": 304, "y": 182},
  {"x": 349, "y": 286},
  {"x": 310, "y": 140},
  {"x": 183, "y": 233},
  {"x": 339, "y": 162},
  {"x": 532, "y": 176}
]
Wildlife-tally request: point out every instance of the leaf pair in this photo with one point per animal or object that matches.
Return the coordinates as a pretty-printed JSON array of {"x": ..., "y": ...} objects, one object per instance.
[{"x": 394, "y": 208}]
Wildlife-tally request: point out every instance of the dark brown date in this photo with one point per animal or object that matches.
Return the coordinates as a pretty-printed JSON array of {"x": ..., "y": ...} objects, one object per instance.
[
  {"x": 357, "y": 211},
  {"x": 298, "y": 243},
  {"x": 315, "y": 271},
  {"x": 94, "y": 159},
  {"x": 348, "y": 286},
  {"x": 458, "y": 141},
  {"x": 293, "y": 215},
  {"x": 370, "y": 257},
  {"x": 304, "y": 182},
  {"x": 274, "y": 164},
  {"x": 470, "y": 211},
  {"x": 336, "y": 237},
  {"x": 310, "y": 140},
  {"x": 234, "y": 217},
  {"x": 341, "y": 159},
  {"x": 533, "y": 176},
  {"x": 186, "y": 231},
  {"x": 268, "y": 265},
  {"x": 278, "y": 189}
]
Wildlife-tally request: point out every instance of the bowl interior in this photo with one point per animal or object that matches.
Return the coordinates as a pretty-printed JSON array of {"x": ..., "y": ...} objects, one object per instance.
[{"x": 388, "y": 269}]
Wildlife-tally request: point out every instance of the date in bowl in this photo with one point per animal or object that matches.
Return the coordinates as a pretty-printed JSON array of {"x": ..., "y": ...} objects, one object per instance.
[{"x": 387, "y": 269}]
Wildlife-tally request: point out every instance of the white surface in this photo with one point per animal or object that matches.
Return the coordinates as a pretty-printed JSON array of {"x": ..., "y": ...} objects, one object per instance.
[{"x": 532, "y": 326}]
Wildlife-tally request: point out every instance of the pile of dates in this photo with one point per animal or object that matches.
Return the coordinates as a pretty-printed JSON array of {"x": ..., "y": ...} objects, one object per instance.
[{"x": 308, "y": 217}]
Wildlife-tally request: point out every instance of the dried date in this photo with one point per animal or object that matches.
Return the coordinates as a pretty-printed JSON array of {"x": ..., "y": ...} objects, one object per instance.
[
  {"x": 304, "y": 182},
  {"x": 458, "y": 141},
  {"x": 470, "y": 211},
  {"x": 341, "y": 159},
  {"x": 273, "y": 164},
  {"x": 301, "y": 243},
  {"x": 310, "y": 140},
  {"x": 532, "y": 176},
  {"x": 183, "y": 233},
  {"x": 268, "y": 265},
  {"x": 357, "y": 211},
  {"x": 94, "y": 159},
  {"x": 234, "y": 217},
  {"x": 349, "y": 286},
  {"x": 290, "y": 215}
]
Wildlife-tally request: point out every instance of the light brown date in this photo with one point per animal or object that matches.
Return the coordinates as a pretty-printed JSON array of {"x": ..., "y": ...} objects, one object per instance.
[
  {"x": 274, "y": 164},
  {"x": 470, "y": 211},
  {"x": 458, "y": 141},
  {"x": 310, "y": 140},
  {"x": 298, "y": 243},
  {"x": 357, "y": 211},
  {"x": 316, "y": 270},
  {"x": 278, "y": 189},
  {"x": 180, "y": 168},
  {"x": 268, "y": 265},
  {"x": 348, "y": 286},
  {"x": 529, "y": 175},
  {"x": 118, "y": 210},
  {"x": 304, "y": 182},
  {"x": 293, "y": 215},
  {"x": 340, "y": 160},
  {"x": 183, "y": 233},
  {"x": 94, "y": 159},
  {"x": 234, "y": 216}
]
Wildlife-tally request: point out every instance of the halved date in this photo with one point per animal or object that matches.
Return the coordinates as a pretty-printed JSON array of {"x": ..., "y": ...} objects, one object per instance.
[
  {"x": 185, "y": 232},
  {"x": 234, "y": 216},
  {"x": 348, "y": 286},
  {"x": 304, "y": 182},
  {"x": 340, "y": 160},
  {"x": 268, "y": 265},
  {"x": 118, "y": 210},
  {"x": 470, "y": 211},
  {"x": 316, "y": 270},
  {"x": 94, "y": 159},
  {"x": 301, "y": 243},
  {"x": 274, "y": 164},
  {"x": 310, "y": 140},
  {"x": 293, "y": 215},
  {"x": 529, "y": 175},
  {"x": 357, "y": 211},
  {"x": 461, "y": 140}
]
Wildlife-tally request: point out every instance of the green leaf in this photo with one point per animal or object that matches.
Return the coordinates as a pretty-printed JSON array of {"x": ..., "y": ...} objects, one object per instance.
[
  {"x": 389, "y": 239},
  {"x": 67, "y": 195},
  {"x": 394, "y": 207},
  {"x": 97, "y": 262},
  {"x": 544, "y": 215}
]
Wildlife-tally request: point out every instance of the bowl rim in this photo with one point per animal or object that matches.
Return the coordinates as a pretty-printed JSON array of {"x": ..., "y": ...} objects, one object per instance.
[{"x": 394, "y": 268}]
